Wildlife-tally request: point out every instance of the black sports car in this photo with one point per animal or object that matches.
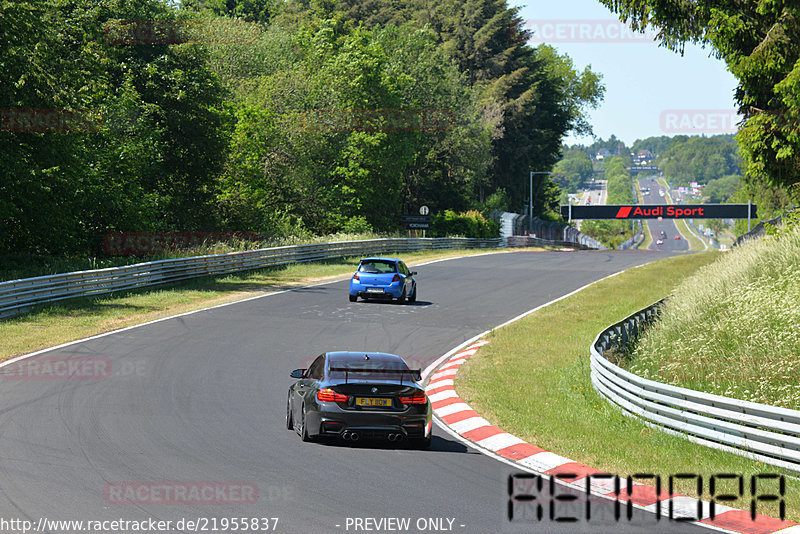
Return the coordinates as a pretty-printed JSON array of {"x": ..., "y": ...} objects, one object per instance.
[{"x": 357, "y": 395}]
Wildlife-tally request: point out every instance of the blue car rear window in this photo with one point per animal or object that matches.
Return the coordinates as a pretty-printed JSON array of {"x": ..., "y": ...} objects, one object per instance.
[{"x": 377, "y": 267}]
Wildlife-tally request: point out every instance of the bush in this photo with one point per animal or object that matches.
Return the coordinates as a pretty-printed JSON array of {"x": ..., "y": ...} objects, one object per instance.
[
  {"x": 465, "y": 224},
  {"x": 357, "y": 225}
]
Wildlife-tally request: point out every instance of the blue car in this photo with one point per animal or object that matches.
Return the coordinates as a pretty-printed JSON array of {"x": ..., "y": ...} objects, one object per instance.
[{"x": 383, "y": 278}]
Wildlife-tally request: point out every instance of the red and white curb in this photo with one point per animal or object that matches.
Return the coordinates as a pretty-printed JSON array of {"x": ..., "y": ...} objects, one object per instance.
[{"x": 453, "y": 413}]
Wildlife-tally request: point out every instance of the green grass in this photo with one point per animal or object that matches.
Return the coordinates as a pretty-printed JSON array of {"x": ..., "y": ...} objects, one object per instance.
[
  {"x": 533, "y": 380},
  {"x": 695, "y": 243},
  {"x": 648, "y": 237},
  {"x": 734, "y": 328},
  {"x": 64, "y": 321}
]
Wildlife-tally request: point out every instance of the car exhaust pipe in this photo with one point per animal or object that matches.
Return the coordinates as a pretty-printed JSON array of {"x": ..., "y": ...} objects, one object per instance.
[
  {"x": 354, "y": 436},
  {"x": 346, "y": 436},
  {"x": 395, "y": 437}
]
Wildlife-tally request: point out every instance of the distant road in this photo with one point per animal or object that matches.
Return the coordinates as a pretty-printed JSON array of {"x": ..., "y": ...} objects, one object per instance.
[
  {"x": 596, "y": 194},
  {"x": 666, "y": 225}
]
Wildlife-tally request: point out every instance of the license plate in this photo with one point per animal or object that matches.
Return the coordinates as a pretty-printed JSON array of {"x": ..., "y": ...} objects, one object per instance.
[
  {"x": 372, "y": 401},
  {"x": 374, "y": 290}
]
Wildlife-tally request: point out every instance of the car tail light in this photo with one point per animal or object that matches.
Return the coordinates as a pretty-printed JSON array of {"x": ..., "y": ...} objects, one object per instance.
[
  {"x": 396, "y": 278},
  {"x": 355, "y": 277},
  {"x": 328, "y": 395},
  {"x": 417, "y": 398}
]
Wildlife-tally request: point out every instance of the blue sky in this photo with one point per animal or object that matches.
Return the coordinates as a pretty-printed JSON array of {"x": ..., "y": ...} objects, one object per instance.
[{"x": 650, "y": 90}]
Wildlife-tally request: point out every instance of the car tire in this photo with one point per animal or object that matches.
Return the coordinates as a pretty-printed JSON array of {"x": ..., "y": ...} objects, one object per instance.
[
  {"x": 289, "y": 421},
  {"x": 353, "y": 298},
  {"x": 303, "y": 430},
  {"x": 413, "y": 297},
  {"x": 402, "y": 298}
]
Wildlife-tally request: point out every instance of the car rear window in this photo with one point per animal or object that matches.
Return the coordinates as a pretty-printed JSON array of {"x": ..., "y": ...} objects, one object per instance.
[
  {"x": 377, "y": 267},
  {"x": 370, "y": 370}
]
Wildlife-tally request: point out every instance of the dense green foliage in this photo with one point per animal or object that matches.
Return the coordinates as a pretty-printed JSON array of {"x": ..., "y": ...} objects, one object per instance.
[
  {"x": 276, "y": 117},
  {"x": 156, "y": 132},
  {"x": 721, "y": 190},
  {"x": 620, "y": 191},
  {"x": 760, "y": 43},
  {"x": 574, "y": 169},
  {"x": 467, "y": 224},
  {"x": 657, "y": 144},
  {"x": 614, "y": 145},
  {"x": 700, "y": 159}
]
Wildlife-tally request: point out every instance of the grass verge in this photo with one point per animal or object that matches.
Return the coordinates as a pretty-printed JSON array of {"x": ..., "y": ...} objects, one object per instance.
[
  {"x": 749, "y": 345},
  {"x": 695, "y": 243},
  {"x": 65, "y": 321},
  {"x": 648, "y": 237},
  {"x": 533, "y": 380}
]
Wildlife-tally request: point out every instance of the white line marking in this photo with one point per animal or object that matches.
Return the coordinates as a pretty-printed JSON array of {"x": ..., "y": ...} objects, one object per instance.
[
  {"x": 453, "y": 364},
  {"x": 450, "y": 409},
  {"x": 545, "y": 460},
  {"x": 445, "y": 373},
  {"x": 443, "y": 395},
  {"x": 469, "y": 424},
  {"x": 439, "y": 383},
  {"x": 499, "y": 441}
]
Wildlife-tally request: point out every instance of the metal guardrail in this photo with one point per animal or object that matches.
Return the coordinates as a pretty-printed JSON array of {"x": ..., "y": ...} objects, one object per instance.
[
  {"x": 765, "y": 433},
  {"x": 18, "y": 296},
  {"x": 760, "y": 230},
  {"x": 548, "y": 232},
  {"x": 530, "y": 241}
]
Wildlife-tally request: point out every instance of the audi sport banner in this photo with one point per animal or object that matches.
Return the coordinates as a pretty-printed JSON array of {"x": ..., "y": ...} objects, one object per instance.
[{"x": 654, "y": 211}]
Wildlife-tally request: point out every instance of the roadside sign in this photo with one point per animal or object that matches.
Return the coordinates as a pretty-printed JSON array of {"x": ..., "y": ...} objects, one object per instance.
[
  {"x": 423, "y": 210},
  {"x": 416, "y": 222},
  {"x": 662, "y": 211}
]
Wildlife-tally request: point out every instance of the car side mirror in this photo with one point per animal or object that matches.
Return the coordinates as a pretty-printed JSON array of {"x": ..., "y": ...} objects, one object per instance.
[{"x": 298, "y": 373}]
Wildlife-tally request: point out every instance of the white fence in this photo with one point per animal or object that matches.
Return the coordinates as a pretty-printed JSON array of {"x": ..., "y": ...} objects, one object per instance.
[{"x": 759, "y": 431}]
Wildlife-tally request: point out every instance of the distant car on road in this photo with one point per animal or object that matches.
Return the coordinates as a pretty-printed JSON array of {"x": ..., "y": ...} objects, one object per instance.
[
  {"x": 659, "y": 242},
  {"x": 357, "y": 395},
  {"x": 677, "y": 237},
  {"x": 663, "y": 234},
  {"x": 383, "y": 278}
]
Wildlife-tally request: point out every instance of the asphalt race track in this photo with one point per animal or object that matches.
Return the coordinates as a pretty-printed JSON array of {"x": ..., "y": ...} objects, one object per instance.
[
  {"x": 667, "y": 225},
  {"x": 200, "y": 399}
]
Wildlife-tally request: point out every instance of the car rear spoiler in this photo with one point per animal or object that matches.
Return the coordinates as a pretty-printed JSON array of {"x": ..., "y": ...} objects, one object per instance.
[{"x": 416, "y": 374}]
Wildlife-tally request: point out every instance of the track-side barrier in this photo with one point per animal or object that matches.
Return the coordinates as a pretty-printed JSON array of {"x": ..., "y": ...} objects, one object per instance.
[
  {"x": 19, "y": 296},
  {"x": 765, "y": 433}
]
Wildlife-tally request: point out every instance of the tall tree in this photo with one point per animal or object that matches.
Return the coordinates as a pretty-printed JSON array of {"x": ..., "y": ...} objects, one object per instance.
[
  {"x": 248, "y": 10},
  {"x": 760, "y": 43}
]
